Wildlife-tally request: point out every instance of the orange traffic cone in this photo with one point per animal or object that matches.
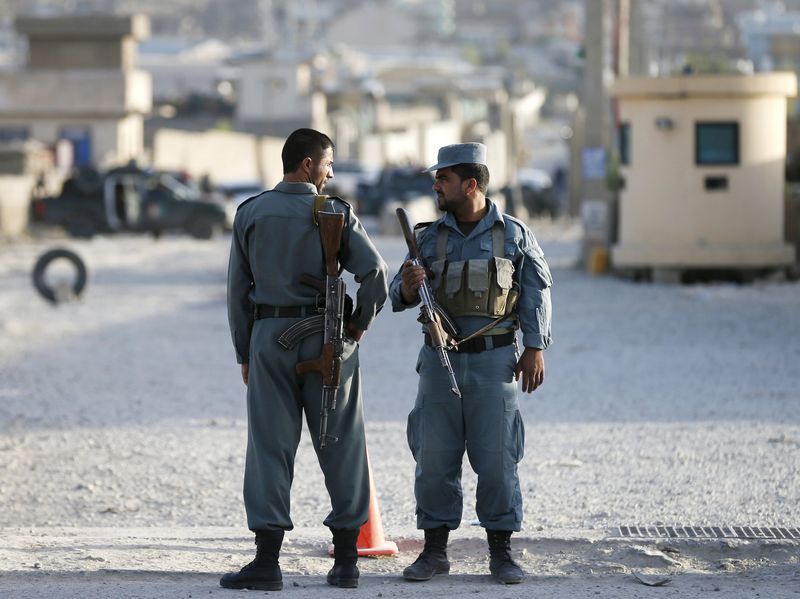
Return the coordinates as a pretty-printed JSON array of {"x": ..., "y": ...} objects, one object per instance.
[{"x": 371, "y": 541}]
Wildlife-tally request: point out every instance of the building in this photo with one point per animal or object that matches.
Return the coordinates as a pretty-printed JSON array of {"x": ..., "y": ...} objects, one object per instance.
[
  {"x": 703, "y": 164},
  {"x": 80, "y": 84},
  {"x": 277, "y": 94}
]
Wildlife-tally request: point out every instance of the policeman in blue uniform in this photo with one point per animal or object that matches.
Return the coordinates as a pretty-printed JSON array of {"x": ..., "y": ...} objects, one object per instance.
[
  {"x": 486, "y": 267},
  {"x": 274, "y": 243}
]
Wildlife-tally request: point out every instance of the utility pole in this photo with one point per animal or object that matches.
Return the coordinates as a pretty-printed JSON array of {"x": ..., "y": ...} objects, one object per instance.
[{"x": 596, "y": 201}]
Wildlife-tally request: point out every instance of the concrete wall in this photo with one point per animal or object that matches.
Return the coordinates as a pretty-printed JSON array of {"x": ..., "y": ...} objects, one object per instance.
[
  {"x": 15, "y": 197},
  {"x": 222, "y": 155},
  {"x": 90, "y": 93},
  {"x": 435, "y": 135},
  {"x": 417, "y": 144},
  {"x": 496, "y": 158},
  {"x": 667, "y": 216}
]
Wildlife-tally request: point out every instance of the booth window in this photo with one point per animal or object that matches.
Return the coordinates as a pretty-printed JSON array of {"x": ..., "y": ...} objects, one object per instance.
[
  {"x": 716, "y": 143},
  {"x": 14, "y": 134},
  {"x": 624, "y": 143}
]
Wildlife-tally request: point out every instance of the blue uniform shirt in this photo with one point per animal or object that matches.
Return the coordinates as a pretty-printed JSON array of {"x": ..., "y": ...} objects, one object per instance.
[
  {"x": 275, "y": 242},
  {"x": 530, "y": 271}
]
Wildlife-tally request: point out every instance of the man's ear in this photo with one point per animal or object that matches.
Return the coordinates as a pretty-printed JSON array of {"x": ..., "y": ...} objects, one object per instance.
[
  {"x": 307, "y": 164},
  {"x": 472, "y": 185}
]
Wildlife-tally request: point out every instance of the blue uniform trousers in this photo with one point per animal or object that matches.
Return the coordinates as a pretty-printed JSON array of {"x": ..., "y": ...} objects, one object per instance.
[
  {"x": 276, "y": 399},
  {"x": 485, "y": 421}
]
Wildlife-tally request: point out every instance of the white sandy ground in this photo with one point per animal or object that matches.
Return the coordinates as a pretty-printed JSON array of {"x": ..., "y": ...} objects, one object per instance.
[{"x": 122, "y": 435}]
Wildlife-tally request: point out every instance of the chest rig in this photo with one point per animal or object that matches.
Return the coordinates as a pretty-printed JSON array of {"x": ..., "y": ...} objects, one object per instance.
[{"x": 476, "y": 287}]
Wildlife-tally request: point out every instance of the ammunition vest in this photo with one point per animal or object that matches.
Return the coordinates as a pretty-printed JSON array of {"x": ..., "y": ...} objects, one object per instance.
[{"x": 477, "y": 287}]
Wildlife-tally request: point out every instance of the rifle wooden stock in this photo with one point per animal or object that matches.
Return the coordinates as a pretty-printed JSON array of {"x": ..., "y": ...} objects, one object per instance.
[
  {"x": 331, "y": 225},
  {"x": 327, "y": 364}
]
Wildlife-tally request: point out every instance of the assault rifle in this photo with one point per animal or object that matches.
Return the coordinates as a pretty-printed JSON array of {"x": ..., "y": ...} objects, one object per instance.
[
  {"x": 329, "y": 363},
  {"x": 438, "y": 324}
]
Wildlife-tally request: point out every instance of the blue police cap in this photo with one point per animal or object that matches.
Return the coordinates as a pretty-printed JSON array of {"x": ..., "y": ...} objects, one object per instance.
[{"x": 471, "y": 153}]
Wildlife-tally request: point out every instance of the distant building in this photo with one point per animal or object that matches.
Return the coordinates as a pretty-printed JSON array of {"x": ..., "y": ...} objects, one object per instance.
[
  {"x": 703, "y": 163},
  {"x": 277, "y": 94},
  {"x": 180, "y": 67},
  {"x": 80, "y": 84},
  {"x": 772, "y": 37}
]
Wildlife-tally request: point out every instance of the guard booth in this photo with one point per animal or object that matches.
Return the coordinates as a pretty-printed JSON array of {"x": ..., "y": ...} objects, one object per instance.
[{"x": 703, "y": 159}]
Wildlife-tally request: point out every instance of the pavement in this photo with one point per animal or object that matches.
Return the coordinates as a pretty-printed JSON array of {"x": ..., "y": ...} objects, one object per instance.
[{"x": 122, "y": 435}]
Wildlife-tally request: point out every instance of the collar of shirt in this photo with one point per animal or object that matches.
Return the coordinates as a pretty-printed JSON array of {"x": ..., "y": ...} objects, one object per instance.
[
  {"x": 491, "y": 217},
  {"x": 298, "y": 187}
]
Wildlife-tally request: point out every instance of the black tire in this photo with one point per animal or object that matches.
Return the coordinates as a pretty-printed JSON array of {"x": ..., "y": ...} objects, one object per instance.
[
  {"x": 201, "y": 228},
  {"x": 40, "y": 269},
  {"x": 80, "y": 226}
]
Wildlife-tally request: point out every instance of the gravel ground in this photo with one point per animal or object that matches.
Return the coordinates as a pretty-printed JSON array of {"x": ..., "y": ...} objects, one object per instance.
[{"x": 122, "y": 433}]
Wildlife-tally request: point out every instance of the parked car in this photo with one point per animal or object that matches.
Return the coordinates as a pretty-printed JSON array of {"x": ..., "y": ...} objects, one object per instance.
[
  {"x": 395, "y": 184},
  {"x": 538, "y": 195},
  {"x": 128, "y": 199}
]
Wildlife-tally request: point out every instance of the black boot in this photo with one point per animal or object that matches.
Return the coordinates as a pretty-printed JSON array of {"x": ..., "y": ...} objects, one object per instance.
[
  {"x": 344, "y": 572},
  {"x": 263, "y": 573},
  {"x": 503, "y": 568},
  {"x": 433, "y": 559}
]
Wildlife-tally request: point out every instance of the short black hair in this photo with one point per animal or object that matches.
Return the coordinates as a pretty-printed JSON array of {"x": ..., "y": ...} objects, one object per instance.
[
  {"x": 302, "y": 144},
  {"x": 479, "y": 172}
]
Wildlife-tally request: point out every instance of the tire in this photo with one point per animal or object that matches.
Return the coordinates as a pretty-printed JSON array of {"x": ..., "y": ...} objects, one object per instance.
[
  {"x": 80, "y": 227},
  {"x": 40, "y": 269},
  {"x": 200, "y": 228}
]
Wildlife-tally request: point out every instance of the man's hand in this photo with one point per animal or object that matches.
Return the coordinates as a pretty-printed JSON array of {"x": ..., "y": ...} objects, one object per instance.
[
  {"x": 245, "y": 372},
  {"x": 531, "y": 367},
  {"x": 354, "y": 332},
  {"x": 412, "y": 277}
]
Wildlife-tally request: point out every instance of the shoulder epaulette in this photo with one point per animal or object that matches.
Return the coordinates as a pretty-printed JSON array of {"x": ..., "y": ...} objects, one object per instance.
[
  {"x": 515, "y": 220},
  {"x": 423, "y": 225},
  {"x": 248, "y": 200},
  {"x": 342, "y": 200}
]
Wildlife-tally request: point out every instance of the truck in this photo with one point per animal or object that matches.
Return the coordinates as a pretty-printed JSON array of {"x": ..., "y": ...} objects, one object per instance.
[{"x": 128, "y": 199}]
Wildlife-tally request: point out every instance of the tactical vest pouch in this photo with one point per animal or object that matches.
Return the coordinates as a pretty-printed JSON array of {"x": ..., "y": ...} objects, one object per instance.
[
  {"x": 476, "y": 287},
  {"x": 477, "y": 295},
  {"x": 504, "y": 277},
  {"x": 453, "y": 297},
  {"x": 437, "y": 270}
]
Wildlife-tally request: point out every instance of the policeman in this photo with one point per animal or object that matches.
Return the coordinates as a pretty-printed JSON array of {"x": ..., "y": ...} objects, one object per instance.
[
  {"x": 486, "y": 268},
  {"x": 274, "y": 243}
]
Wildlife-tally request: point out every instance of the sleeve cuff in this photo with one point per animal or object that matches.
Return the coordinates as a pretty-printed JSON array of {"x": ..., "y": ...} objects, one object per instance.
[{"x": 536, "y": 341}]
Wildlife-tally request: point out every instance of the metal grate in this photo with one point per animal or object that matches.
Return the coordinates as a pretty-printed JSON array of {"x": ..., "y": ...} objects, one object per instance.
[{"x": 705, "y": 532}]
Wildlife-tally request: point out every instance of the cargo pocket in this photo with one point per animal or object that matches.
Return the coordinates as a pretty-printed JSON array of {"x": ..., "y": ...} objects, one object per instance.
[
  {"x": 477, "y": 296},
  {"x": 504, "y": 279},
  {"x": 517, "y": 438},
  {"x": 414, "y": 433},
  {"x": 541, "y": 319}
]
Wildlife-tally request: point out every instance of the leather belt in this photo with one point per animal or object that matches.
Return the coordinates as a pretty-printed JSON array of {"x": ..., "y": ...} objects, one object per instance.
[
  {"x": 266, "y": 311},
  {"x": 479, "y": 344}
]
